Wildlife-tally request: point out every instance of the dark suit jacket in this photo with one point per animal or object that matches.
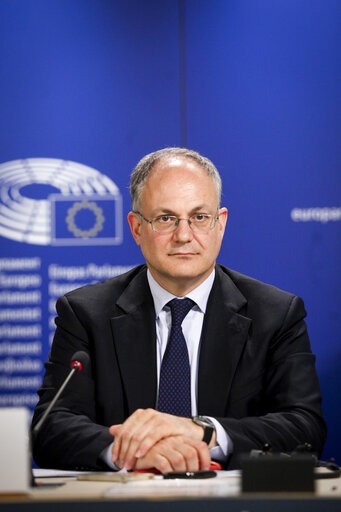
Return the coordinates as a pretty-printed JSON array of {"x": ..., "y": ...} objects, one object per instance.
[{"x": 256, "y": 370}]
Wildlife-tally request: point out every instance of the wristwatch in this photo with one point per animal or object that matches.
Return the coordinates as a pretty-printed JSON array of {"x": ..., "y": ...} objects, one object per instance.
[{"x": 208, "y": 427}]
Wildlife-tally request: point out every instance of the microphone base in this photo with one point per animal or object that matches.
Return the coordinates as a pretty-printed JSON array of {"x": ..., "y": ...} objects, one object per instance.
[{"x": 278, "y": 473}]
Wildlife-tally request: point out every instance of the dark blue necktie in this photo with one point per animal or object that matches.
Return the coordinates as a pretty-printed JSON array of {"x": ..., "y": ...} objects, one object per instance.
[{"x": 175, "y": 373}]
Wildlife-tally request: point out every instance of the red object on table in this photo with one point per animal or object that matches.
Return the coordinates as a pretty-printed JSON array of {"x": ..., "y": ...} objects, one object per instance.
[{"x": 214, "y": 466}]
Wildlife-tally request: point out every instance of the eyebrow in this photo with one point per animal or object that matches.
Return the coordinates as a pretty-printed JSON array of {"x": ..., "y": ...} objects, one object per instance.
[{"x": 166, "y": 211}]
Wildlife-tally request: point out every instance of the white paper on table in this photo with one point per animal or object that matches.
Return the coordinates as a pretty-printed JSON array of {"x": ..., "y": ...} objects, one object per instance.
[
  {"x": 220, "y": 486},
  {"x": 55, "y": 473}
]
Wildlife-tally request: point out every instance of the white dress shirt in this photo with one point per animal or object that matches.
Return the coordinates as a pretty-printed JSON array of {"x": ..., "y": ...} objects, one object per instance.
[{"x": 191, "y": 327}]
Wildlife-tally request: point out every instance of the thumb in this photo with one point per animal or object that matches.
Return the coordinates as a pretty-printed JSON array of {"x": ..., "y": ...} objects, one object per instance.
[{"x": 114, "y": 429}]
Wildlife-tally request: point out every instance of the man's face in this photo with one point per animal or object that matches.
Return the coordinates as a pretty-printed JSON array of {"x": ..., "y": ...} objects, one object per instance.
[{"x": 179, "y": 261}]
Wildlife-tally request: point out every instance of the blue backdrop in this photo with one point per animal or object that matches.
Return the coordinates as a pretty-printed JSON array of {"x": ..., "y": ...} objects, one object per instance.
[{"x": 90, "y": 86}]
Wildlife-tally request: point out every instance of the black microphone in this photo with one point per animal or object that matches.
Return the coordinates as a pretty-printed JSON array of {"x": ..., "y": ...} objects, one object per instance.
[{"x": 78, "y": 361}]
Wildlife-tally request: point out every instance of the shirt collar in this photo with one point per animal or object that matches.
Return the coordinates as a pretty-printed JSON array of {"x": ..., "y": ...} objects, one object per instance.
[{"x": 199, "y": 295}]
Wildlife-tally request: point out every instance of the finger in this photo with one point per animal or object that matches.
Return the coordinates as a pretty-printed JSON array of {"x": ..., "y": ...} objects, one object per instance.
[
  {"x": 177, "y": 460},
  {"x": 195, "y": 454},
  {"x": 159, "y": 426},
  {"x": 180, "y": 453},
  {"x": 131, "y": 434},
  {"x": 149, "y": 428},
  {"x": 114, "y": 429},
  {"x": 114, "y": 461},
  {"x": 116, "y": 446},
  {"x": 162, "y": 464},
  {"x": 129, "y": 464},
  {"x": 154, "y": 460},
  {"x": 191, "y": 458},
  {"x": 135, "y": 444},
  {"x": 204, "y": 456},
  {"x": 172, "y": 450},
  {"x": 151, "y": 436},
  {"x": 118, "y": 432},
  {"x": 184, "y": 455},
  {"x": 129, "y": 445}
]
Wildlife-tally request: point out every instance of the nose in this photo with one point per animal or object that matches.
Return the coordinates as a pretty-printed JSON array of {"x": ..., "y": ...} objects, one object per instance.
[{"x": 183, "y": 232}]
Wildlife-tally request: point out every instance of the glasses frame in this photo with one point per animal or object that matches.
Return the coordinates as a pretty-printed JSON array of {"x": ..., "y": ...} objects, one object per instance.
[{"x": 177, "y": 222}]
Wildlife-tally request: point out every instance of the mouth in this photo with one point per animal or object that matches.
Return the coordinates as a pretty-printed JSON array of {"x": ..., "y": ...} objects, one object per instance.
[{"x": 183, "y": 254}]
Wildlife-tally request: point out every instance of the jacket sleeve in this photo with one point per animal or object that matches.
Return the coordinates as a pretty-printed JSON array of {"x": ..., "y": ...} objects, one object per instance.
[
  {"x": 71, "y": 438},
  {"x": 288, "y": 411}
]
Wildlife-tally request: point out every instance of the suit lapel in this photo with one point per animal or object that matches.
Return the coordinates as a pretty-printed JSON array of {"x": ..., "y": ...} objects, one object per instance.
[
  {"x": 133, "y": 327},
  {"x": 224, "y": 335}
]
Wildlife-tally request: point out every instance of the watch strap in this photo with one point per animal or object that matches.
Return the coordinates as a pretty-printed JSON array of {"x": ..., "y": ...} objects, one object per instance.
[{"x": 208, "y": 428}]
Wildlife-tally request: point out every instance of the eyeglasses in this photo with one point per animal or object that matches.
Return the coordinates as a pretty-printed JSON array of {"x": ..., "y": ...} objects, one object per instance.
[{"x": 169, "y": 223}]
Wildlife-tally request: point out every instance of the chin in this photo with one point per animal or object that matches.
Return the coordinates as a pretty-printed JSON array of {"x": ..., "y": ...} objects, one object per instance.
[{"x": 188, "y": 273}]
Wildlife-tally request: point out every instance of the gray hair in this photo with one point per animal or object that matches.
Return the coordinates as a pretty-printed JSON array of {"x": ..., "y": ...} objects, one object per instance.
[{"x": 145, "y": 165}]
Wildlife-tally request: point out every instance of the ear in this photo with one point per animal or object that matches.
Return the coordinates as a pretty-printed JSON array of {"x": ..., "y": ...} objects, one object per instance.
[
  {"x": 135, "y": 226},
  {"x": 223, "y": 214}
]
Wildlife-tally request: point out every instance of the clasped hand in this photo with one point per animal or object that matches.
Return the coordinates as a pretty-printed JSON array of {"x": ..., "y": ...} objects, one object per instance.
[{"x": 152, "y": 439}]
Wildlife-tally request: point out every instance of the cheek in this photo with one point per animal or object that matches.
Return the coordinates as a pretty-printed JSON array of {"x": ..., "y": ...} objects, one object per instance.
[
  {"x": 207, "y": 242},
  {"x": 154, "y": 246},
  {"x": 213, "y": 245}
]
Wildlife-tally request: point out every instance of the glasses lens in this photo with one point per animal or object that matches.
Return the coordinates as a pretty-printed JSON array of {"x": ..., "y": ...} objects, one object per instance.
[
  {"x": 164, "y": 223},
  {"x": 197, "y": 222},
  {"x": 202, "y": 222}
]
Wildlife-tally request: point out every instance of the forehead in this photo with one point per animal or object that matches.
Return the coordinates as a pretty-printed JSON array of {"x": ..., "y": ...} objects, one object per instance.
[
  {"x": 173, "y": 168},
  {"x": 174, "y": 162},
  {"x": 176, "y": 181}
]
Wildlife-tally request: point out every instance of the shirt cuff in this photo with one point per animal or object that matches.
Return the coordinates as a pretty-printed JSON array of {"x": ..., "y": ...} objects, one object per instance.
[
  {"x": 224, "y": 442},
  {"x": 105, "y": 456}
]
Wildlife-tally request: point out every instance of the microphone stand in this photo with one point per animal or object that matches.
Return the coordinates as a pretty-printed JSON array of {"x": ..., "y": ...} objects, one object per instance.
[
  {"x": 78, "y": 360},
  {"x": 38, "y": 426}
]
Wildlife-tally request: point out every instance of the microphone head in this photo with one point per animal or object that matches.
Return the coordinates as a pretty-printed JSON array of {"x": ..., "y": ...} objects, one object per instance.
[{"x": 79, "y": 360}]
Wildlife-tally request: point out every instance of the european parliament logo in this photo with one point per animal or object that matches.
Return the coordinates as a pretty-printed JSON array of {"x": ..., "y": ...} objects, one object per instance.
[
  {"x": 46, "y": 201},
  {"x": 84, "y": 220}
]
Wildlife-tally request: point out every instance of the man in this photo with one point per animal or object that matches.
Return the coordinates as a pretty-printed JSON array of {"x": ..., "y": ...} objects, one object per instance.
[{"x": 239, "y": 356}]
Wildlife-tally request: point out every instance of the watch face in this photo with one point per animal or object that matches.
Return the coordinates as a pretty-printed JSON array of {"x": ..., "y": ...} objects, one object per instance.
[{"x": 201, "y": 420}]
